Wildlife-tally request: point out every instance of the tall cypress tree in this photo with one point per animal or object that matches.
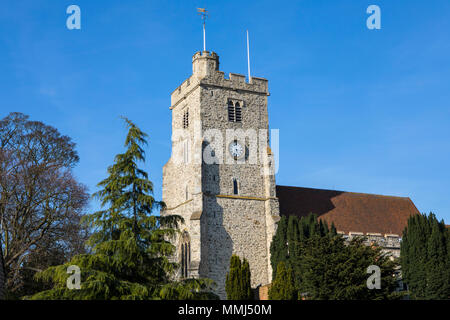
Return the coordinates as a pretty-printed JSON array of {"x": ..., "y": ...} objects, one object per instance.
[
  {"x": 246, "y": 281},
  {"x": 278, "y": 247},
  {"x": 233, "y": 284},
  {"x": 129, "y": 245},
  {"x": 282, "y": 287},
  {"x": 293, "y": 237},
  {"x": 425, "y": 258},
  {"x": 287, "y": 242},
  {"x": 237, "y": 284},
  {"x": 436, "y": 254}
]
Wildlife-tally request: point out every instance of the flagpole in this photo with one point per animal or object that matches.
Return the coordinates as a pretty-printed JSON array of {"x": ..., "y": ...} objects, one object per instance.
[
  {"x": 204, "y": 13},
  {"x": 248, "y": 59},
  {"x": 204, "y": 34}
]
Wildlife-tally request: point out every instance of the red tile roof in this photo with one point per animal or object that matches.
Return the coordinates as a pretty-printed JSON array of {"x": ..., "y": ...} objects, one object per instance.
[{"x": 350, "y": 211}]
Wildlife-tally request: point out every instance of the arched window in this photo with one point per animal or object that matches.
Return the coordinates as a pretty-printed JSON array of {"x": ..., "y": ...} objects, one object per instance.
[
  {"x": 237, "y": 110},
  {"x": 234, "y": 111},
  {"x": 186, "y": 260},
  {"x": 231, "y": 117},
  {"x": 235, "y": 186},
  {"x": 185, "y": 255}
]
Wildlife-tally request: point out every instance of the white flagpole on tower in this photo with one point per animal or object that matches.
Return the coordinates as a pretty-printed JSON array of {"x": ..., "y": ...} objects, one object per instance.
[
  {"x": 204, "y": 13},
  {"x": 204, "y": 35},
  {"x": 248, "y": 59}
]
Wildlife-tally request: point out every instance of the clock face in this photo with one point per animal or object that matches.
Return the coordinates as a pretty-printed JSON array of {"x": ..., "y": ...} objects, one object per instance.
[{"x": 236, "y": 150}]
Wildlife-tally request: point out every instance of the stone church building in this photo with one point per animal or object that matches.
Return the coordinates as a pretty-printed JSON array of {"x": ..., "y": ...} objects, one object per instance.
[{"x": 232, "y": 206}]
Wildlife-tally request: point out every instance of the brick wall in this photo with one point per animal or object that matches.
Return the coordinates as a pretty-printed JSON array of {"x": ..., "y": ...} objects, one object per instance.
[{"x": 263, "y": 292}]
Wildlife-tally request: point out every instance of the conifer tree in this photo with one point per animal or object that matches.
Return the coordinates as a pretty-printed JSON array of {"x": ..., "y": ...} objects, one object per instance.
[
  {"x": 323, "y": 266},
  {"x": 278, "y": 247},
  {"x": 233, "y": 284},
  {"x": 291, "y": 233},
  {"x": 246, "y": 281},
  {"x": 282, "y": 287},
  {"x": 333, "y": 230},
  {"x": 237, "y": 285},
  {"x": 425, "y": 258},
  {"x": 335, "y": 270},
  {"x": 130, "y": 247}
]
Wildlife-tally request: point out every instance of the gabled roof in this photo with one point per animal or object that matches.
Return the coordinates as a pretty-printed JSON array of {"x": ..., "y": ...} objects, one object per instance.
[{"x": 350, "y": 211}]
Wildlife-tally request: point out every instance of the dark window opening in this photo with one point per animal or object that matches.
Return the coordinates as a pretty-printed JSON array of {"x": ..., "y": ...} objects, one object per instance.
[
  {"x": 234, "y": 112},
  {"x": 186, "y": 119},
  {"x": 235, "y": 187},
  {"x": 237, "y": 109},
  {"x": 230, "y": 111},
  {"x": 185, "y": 259}
]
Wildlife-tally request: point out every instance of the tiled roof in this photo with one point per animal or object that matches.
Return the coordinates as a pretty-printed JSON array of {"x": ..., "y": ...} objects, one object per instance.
[{"x": 350, "y": 211}]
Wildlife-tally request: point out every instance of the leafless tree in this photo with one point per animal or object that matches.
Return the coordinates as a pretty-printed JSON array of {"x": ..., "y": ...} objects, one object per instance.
[
  {"x": 2, "y": 274},
  {"x": 40, "y": 201}
]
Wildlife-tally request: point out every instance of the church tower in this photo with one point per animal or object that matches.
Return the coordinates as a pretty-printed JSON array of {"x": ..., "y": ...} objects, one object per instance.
[{"x": 219, "y": 177}]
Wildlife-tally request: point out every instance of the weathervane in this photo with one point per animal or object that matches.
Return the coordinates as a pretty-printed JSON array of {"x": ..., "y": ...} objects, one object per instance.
[{"x": 204, "y": 13}]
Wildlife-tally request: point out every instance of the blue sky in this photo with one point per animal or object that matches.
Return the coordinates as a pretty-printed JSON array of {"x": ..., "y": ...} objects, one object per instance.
[{"x": 358, "y": 110}]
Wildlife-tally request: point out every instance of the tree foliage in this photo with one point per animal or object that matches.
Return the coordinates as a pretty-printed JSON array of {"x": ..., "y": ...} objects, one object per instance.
[
  {"x": 130, "y": 246},
  {"x": 335, "y": 270},
  {"x": 323, "y": 265},
  {"x": 282, "y": 288},
  {"x": 425, "y": 257},
  {"x": 237, "y": 285},
  {"x": 291, "y": 232},
  {"x": 41, "y": 203}
]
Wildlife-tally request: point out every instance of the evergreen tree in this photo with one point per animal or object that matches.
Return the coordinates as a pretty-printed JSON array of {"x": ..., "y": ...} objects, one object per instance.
[
  {"x": 323, "y": 266},
  {"x": 278, "y": 247},
  {"x": 335, "y": 270},
  {"x": 333, "y": 230},
  {"x": 425, "y": 257},
  {"x": 237, "y": 285},
  {"x": 130, "y": 250},
  {"x": 246, "y": 281},
  {"x": 282, "y": 287},
  {"x": 291, "y": 233},
  {"x": 233, "y": 284}
]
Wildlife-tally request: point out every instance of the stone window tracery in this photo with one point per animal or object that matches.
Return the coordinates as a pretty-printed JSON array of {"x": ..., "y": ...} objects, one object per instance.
[
  {"x": 234, "y": 111},
  {"x": 185, "y": 255}
]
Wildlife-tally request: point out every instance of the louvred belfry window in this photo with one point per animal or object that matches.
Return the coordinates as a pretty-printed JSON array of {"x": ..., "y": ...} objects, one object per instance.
[
  {"x": 234, "y": 111},
  {"x": 237, "y": 110},
  {"x": 230, "y": 111}
]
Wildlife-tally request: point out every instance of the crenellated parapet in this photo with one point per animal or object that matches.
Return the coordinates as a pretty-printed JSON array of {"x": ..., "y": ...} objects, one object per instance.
[
  {"x": 389, "y": 242},
  {"x": 205, "y": 72}
]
